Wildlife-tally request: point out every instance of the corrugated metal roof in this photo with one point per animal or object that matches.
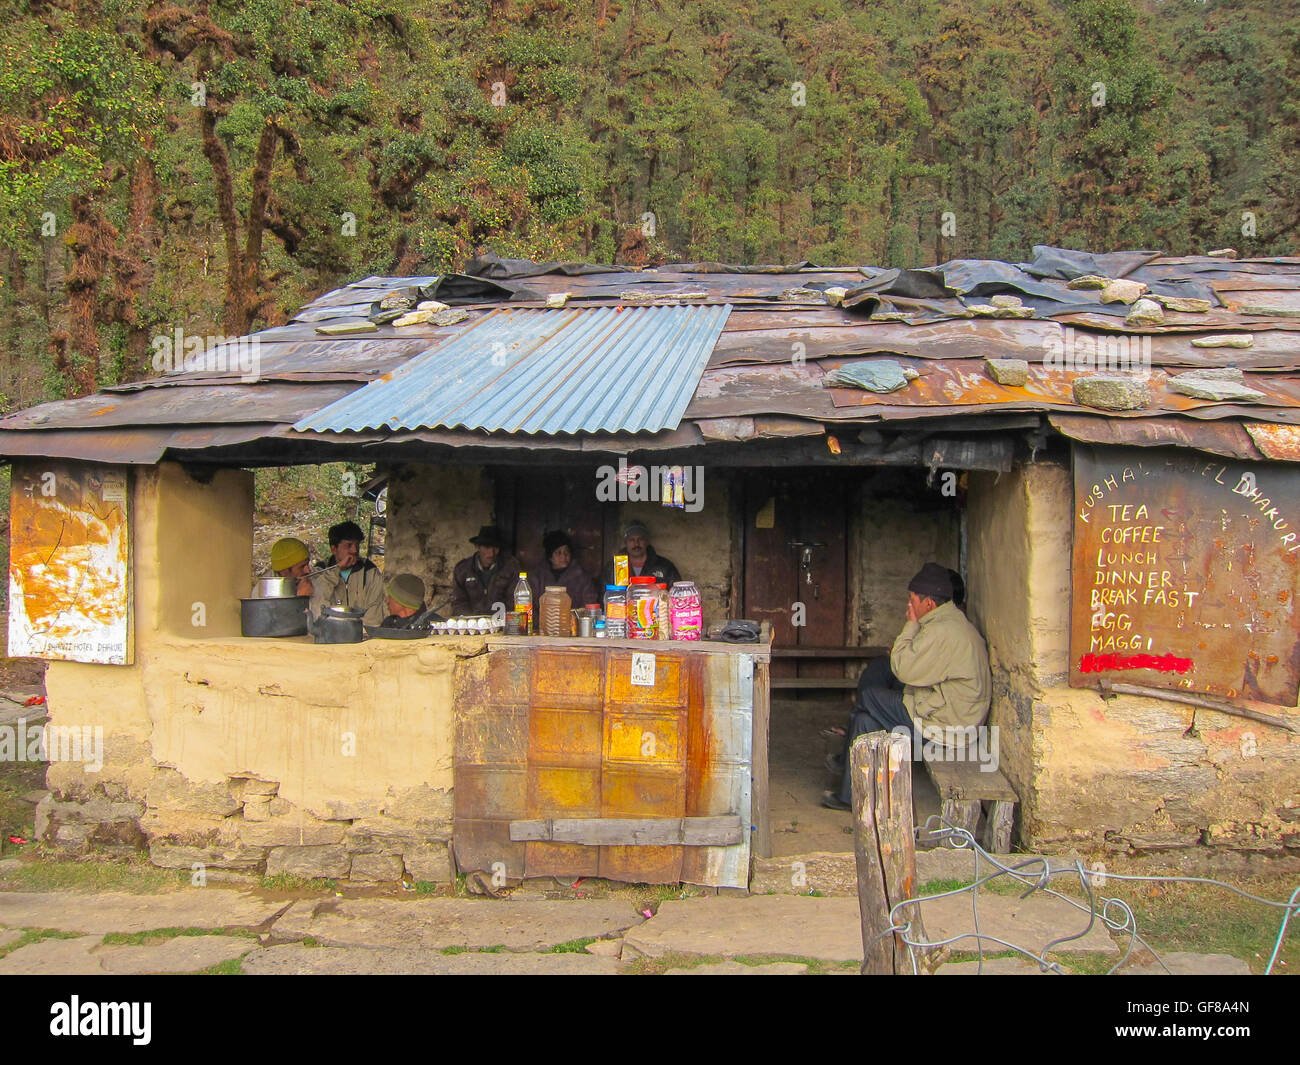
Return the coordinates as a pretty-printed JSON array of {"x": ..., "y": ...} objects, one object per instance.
[{"x": 544, "y": 371}]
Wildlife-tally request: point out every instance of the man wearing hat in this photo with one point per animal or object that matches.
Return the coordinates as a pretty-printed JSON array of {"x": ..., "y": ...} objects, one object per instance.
[
  {"x": 351, "y": 582},
  {"x": 290, "y": 558},
  {"x": 404, "y": 597},
  {"x": 486, "y": 577},
  {"x": 641, "y": 558},
  {"x": 937, "y": 675},
  {"x": 559, "y": 568}
]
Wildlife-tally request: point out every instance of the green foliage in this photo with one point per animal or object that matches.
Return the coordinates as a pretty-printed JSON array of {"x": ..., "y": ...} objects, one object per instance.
[{"x": 819, "y": 129}]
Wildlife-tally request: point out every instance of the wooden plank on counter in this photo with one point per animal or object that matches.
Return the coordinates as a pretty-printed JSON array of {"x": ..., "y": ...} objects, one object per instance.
[
  {"x": 721, "y": 831},
  {"x": 760, "y": 651}
]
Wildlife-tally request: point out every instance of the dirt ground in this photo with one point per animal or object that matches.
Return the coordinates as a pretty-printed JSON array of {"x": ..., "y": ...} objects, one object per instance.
[{"x": 797, "y": 776}]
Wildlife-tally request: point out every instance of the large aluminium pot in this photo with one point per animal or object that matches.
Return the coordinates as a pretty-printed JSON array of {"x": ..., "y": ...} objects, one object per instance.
[
  {"x": 274, "y": 617},
  {"x": 337, "y": 625},
  {"x": 274, "y": 588}
]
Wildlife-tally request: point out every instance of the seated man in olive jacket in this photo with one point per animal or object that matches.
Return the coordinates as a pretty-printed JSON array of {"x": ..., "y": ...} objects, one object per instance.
[
  {"x": 486, "y": 577},
  {"x": 942, "y": 664}
]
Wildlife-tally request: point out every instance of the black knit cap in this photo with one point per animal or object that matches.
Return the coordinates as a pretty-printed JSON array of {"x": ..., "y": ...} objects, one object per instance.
[
  {"x": 345, "y": 530},
  {"x": 932, "y": 582},
  {"x": 554, "y": 540}
]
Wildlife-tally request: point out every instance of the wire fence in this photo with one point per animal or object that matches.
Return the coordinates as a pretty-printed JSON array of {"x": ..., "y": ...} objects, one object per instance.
[{"x": 1036, "y": 876}]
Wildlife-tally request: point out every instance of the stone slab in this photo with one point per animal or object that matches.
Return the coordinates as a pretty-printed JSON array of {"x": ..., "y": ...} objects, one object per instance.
[
  {"x": 1029, "y": 923},
  {"x": 762, "y": 924},
  {"x": 993, "y": 967},
  {"x": 54, "y": 957},
  {"x": 1185, "y": 963},
  {"x": 297, "y": 960},
  {"x": 184, "y": 954},
  {"x": 945, "y": 863},
  {"x": 433, "y": 923},
  {"x": 9, "y": 865},
  {"x": 735, "y": 968},
  {"x": 829, "y": 928},
  {"x": 97, "y": 913}
]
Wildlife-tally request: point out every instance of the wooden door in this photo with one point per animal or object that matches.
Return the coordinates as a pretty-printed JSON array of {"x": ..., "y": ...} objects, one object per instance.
[
  {"x": 795, "y": 561},
  {"x": 532, "y": 503}
]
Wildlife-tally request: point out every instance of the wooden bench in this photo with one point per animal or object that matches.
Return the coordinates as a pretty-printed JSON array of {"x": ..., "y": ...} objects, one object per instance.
[
  {"x": 845, "y": 654},
  {"x": 964, "y": 788}
]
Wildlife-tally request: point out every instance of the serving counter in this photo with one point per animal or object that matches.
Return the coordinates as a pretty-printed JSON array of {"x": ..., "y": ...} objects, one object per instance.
[{"x": 632, "y": 760}]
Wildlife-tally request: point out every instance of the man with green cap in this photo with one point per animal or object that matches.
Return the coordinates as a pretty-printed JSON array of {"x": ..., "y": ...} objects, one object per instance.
[
  {"x": 290, "y": 558},
  {"x": 405, "y": 600},
  {"x": 352, "y": 582}
]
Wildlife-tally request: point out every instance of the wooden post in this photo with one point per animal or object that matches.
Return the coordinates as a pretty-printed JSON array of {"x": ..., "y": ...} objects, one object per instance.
[
  {"x": 881, "y": 771},
  {"x": 761, "y": 844}
]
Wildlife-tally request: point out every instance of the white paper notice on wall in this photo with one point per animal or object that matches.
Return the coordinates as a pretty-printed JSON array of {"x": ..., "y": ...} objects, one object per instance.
[{"x": 643, "y": 669}]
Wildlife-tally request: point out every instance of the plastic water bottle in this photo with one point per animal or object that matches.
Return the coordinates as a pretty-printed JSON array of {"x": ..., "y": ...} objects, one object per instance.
[{"x": 524, "y": 604}]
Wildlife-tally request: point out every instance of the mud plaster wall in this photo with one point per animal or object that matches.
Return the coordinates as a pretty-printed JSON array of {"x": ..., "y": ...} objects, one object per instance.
[
  {"x": 897, "y": 524},
  {"x": 1124, "y": 774},
  {"x": 434, "y": 510},
  {"x": 274, "y": 755}
]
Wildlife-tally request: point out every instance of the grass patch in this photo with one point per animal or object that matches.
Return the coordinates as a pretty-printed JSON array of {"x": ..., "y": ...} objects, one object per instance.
[
  {"x": 229, "y": 967},
  {"x": 573, "y": 946},
  {"x": 293, "y": 882},
  {"x": 158, "y": 935},
  {"x": 428, "y": 887},
  {"x": 674, "y": 960},
  {"x": 938, "y": 887},
  {"x": 17, "y": 815},
  {"x": 309, "y": 941},
  {"x": 455, "y": 950},
  {"x": 500, "y": 948},
  {"x": 98, "y": 874},
  {"x": 35, "y": 935}
]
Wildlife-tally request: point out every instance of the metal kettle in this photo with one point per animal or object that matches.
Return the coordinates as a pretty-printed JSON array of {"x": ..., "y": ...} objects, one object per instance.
[{"x": 337, "y": 624}]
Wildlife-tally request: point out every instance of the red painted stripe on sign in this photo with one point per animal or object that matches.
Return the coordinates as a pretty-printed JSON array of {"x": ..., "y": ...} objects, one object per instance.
[{"x": 1091, "y": 663}]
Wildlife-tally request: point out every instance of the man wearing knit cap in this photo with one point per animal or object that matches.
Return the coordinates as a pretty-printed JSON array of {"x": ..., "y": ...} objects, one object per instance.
[
  {"x": 560, "y": 568},
  {"x": 351, "y": 582},
  {"x": 290, "y": 558},
  {"x": 937, "y": 677},
  {"x": 405, "y": 599}
]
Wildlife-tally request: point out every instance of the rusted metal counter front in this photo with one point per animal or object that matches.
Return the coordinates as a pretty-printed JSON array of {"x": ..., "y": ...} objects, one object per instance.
[{"x": 561, "y": 744}]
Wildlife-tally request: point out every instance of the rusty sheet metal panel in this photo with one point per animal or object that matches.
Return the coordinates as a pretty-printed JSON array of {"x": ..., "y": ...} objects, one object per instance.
[
  {"x": 1281, "y": 442},
  {"x": 1228, "y": 438},
  {"x": 490, "y": 760},
  {"x": 644, "y": 773},
  {"x": 719, "y": 780},
  {"x": 564, "y": 732},
  {"x": 564, "y": 754},
  {"x": 1185, "y": 574}
]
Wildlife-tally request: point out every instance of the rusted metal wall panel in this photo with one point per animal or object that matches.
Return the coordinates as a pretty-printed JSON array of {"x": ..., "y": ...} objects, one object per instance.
[
  {"x": 564, "y": 733},
  {"x": 1185, "y": 573}
]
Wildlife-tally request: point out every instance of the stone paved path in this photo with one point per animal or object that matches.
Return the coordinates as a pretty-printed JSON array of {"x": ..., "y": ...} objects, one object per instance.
[{"x": 471, "y": 936}]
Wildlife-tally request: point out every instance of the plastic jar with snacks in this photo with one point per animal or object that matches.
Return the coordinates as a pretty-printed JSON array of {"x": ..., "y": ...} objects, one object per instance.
[
  {"x": 615, "y": 611},
  {"x": 685, "y": 611},
  {"x": 641, "y": 603}
]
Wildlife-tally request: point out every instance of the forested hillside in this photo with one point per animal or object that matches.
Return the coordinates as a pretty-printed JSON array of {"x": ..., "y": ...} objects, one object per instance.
[{"x": 211, "y": 166}]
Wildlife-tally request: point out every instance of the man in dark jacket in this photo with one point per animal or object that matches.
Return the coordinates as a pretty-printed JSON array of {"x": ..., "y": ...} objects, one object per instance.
[
  {"x": 559, "y": 568},
  {"x": 486, "y": 577},
  {"x": 641, "y": 558}
]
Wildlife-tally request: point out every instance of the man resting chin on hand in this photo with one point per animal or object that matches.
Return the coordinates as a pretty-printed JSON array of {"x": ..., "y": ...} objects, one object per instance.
[{"x": 937, "y": 675}]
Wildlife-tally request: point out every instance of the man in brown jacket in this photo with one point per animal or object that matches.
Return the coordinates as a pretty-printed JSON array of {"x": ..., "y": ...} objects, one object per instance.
[
  {"x": 486, "y": 577},
  {"x": 937, "y": 677}
]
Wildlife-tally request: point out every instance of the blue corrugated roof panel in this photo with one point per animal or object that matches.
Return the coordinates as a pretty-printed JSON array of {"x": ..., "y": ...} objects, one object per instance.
[{"x": 593, "y": 370}]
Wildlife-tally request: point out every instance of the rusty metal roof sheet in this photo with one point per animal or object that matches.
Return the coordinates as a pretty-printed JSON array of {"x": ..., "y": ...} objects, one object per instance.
[
  {"x": 553, "y": 371},
  {"x": 765, "y": 370}
]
